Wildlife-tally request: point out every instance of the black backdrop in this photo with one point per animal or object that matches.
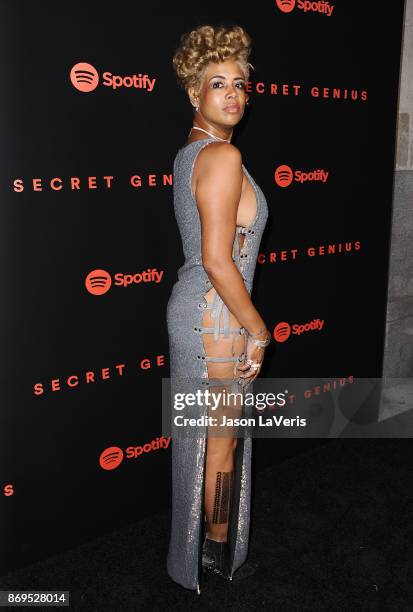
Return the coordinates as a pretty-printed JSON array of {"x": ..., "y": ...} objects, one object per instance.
[{"x": 98, "y": 359}]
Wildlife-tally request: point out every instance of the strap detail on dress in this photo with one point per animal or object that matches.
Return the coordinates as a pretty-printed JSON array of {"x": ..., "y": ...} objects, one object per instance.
[
  {"x": 221, "y": 359},
  {"x": 233, "y": 330}
]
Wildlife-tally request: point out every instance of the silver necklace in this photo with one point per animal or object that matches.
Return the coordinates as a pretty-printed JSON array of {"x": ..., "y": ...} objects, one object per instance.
[{"x": 194, "y": 127}]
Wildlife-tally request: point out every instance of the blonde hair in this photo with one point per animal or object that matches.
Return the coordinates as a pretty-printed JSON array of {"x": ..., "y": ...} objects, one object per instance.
[{"x": 208, "y": 44}]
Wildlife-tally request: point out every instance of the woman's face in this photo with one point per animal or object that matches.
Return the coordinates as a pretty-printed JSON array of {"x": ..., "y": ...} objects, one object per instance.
[{"x": 222, "y": 97}]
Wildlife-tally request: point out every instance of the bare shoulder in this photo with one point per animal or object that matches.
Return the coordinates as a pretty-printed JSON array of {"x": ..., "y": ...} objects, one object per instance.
[
  {"x": 220, "y": 161},
  {"x": 219, "y": 154}
]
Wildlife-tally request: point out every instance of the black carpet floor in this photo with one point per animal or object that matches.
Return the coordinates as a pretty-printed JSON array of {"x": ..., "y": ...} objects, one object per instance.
[{"x": 332, "y": 529}]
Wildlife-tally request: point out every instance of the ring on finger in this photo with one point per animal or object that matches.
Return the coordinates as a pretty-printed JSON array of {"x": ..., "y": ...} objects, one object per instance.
[{"x": 253, "y": 364}]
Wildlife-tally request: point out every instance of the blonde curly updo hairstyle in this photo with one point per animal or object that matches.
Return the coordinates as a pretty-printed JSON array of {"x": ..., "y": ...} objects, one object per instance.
[{"x": 208, "y": 44}]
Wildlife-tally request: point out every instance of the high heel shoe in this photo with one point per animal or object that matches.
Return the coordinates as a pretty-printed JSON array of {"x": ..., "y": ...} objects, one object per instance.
[{"x": 215, "y": 557}]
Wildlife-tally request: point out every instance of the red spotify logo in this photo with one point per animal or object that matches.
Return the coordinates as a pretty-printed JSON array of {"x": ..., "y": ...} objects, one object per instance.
[
  {"x": 282, "y": 331},
  {"x": 283, "y": 176},
  {"x": 286, "y": 6},
  {"x": 8, "y": 490},
  {"x": 321, "y": 6},
  {"x": 111, "y": 458},
  {"x": 84, "y": 77},
  {"x": 98, "y": 282}
]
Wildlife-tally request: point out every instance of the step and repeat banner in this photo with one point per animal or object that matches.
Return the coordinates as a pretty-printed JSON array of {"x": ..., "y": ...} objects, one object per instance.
[{"x": 91, "y": 120}]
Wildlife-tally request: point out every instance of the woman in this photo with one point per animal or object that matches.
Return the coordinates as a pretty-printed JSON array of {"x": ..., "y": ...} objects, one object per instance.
[{"x": 216, "y": 336}]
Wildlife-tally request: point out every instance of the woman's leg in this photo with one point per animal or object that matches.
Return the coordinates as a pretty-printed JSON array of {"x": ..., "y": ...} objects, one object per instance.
[
  {"x": 221, "y": 442},
  {"x": 219, "y": 486}
]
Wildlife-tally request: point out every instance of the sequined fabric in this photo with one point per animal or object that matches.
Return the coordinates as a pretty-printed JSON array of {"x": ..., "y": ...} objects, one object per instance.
[{"x": 187, "y": 361}]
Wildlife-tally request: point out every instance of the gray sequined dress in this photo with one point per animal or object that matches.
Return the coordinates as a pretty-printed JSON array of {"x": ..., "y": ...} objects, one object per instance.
[{"x": 188, "y": 361}]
